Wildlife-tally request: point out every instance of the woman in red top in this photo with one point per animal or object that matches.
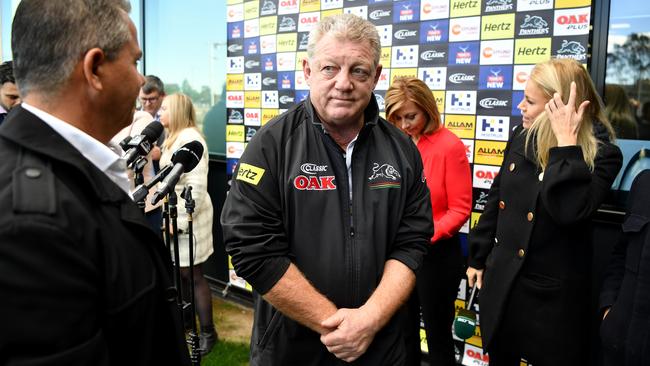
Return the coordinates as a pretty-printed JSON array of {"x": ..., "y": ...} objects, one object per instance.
[{"x": 410, "y": 105}]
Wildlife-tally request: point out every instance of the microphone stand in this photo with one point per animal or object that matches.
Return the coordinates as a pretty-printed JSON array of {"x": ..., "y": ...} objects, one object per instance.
[
  {"x": 138, "y": 167},
  {"x": 195, "y": 352},
  {"x": 173, "y": 215}
]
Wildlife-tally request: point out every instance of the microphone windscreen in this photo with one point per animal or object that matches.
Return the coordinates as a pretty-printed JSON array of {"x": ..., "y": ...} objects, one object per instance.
[
  {"x": 153, "y": 131},
  {"x": 465, "y": 324},
  {"x": 189, "y": 155}
]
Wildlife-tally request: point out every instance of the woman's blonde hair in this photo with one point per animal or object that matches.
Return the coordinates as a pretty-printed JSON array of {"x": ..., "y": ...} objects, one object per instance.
[
  {"x": 405, "y": 89},
  {"x": 181, "y": 116},
  {"x": 555, "y": 76}
]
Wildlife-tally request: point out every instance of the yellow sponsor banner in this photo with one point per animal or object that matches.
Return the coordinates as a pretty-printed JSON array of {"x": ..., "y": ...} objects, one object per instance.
[
  {"x": 532, "y": 50},
  {"x": 489, "y": 152},
  {"x": 498, "y": 26},
  {"x": 309, "y": 5},
  {"x": 461, "y": 125},
  {"x": 269, "y": 114},
  {"x": 411, "y": 72},
  {"x": 268, "y": 25},
  {"x": 475, "y": 216},
  {"x": 235, "y": 133},
  {"x": 249, "y": 173},
  {"x": 252, "y": 99},
  {"x": 331, "y": 12},
  {"x": 233, "y": 2},
  {"x": 560, "y": 4},
  {"x": 251, "y": 10},
  {"x": 286, "y": 42},
  {"x": 439, "y": 95},
  {"x": 464, "y": 8},
  {"x": 235, "y": 82},
  {"x": 476, "y": 340},
  {"x": 384, "y": 58},
  {"x": 302, "y": 55}
]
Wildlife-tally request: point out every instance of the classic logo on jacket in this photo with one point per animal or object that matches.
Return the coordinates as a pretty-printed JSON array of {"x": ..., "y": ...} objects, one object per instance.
[
  {"x": 312, "y": 181},
  {"x": 384, "y": 176}
]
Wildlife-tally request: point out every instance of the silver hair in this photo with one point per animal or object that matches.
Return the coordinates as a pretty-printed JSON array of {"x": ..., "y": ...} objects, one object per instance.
[
  {"x": 50, "y": 36},
  {"x": 346, "y": 27}
]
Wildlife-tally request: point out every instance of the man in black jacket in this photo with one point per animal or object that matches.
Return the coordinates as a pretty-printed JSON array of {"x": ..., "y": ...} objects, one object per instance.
[
  {"x": 83, "y": 279},
  {"x": 625, "y": 297},
  {"x": 329, "y": 216}
]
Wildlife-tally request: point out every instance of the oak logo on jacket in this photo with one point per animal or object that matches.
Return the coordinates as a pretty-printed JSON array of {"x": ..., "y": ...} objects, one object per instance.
[{"x": 384, "y": 176}]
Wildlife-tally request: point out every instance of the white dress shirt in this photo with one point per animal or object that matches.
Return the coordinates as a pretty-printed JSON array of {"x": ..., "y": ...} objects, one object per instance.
[{"x": 104, "y": 157}]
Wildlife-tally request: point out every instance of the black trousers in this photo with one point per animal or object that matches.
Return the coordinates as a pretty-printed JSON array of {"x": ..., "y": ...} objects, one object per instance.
[{"x": 435, "y": 294}]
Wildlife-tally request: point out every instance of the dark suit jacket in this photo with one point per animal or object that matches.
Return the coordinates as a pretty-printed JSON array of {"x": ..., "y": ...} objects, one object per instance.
[
  {"x": 83, "y": 280},
  {"x": 626, "y": 289},
  {"x": 533, "y": 242}
]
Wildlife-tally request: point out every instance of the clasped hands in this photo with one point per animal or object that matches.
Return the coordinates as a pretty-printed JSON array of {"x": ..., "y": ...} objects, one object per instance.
[
  {"x": 348, "y": 332},
  {"x": 565, "y": 120}
]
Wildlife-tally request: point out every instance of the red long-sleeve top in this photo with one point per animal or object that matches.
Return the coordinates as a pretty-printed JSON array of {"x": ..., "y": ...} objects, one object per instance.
[{"x": 449, "y": 180}]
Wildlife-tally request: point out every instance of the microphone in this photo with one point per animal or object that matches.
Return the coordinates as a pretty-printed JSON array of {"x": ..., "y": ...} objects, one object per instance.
[
  {"x": 125, "y": 143},
  {"x": 140, "y": 145},
  {"x": 142, "y": 190},
  {"x": 465, "y": 321},
  {"x": 184, "y": 160}
]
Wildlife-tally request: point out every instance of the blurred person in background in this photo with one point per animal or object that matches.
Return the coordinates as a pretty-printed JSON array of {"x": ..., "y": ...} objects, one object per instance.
[
  {"x": 151, "y": 97},
  {"x": 9, "y": 96},
  {"x": 619, "y": 112},
  {"x": 530, "y": 252},
  {"x": 179, "y": 118},
  {"x": 411, "y": 107}
]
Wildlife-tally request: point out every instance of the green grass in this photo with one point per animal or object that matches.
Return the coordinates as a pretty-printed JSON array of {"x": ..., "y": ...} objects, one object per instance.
[{"x": 226, "y": 353}]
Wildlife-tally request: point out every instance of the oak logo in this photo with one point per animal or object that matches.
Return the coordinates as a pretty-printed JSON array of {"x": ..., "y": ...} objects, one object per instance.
[
  {"x": 571, "y": 22},
  {"x": 312, "y": 183}
]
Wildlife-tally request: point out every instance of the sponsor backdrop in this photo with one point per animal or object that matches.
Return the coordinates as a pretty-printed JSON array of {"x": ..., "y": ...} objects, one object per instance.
[{"x": 475, "y": 55}]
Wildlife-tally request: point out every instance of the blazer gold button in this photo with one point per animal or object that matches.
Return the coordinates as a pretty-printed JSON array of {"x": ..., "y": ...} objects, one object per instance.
[
  {"x": 502, "y": 205},
  {"x": 541, "y": 176},
  {"x": 512, "y": 166},
  {"x": 530, "y": 216},
  {"x": 521, "y": 253}
]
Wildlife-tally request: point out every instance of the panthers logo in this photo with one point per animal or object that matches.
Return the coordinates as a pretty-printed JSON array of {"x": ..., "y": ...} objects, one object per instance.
[{"x": 384, "y": 171}]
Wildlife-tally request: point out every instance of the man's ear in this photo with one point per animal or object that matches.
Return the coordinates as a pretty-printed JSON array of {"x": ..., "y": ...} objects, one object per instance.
[
  {"x": 93, "y": 60},
  {"x": 378, "y": 73},
  {"x": 306, "y": 69}
]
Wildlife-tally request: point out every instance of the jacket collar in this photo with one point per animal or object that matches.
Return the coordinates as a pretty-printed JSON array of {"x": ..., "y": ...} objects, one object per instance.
[{"x": 27, "y": 130}]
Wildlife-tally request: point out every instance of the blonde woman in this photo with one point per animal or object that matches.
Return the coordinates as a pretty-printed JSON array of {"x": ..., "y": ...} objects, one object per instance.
[
  {"x": 178, "y": 116},
  {"x": 530, "y": 252}
]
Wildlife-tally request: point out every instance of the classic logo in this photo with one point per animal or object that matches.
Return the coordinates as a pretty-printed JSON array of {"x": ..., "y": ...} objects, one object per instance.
[
  {"x": 534, "y": 25},
  {"x": 313, "y": 183},
  {"x": 235, "y": 47},
  {"x": 311, "y": 168},
  {"x": 460, "y": 78},
  {"x": 405, "y": 33},
  {"x": 269, "y": 81},
  {"x": 379, "y": 14},
  {"x": 250, "y": 173},
  {"x": 498, "y": 5},
  {"x": 285, "y": 99},
  {"x": 490, "y": 103},
  {"x": 432, "y": 55},
  {"x": 251, "y": 64},
  {"x": 384, "y": 176}
]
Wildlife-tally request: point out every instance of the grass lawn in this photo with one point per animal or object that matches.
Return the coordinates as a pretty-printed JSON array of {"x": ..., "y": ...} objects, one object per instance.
[{"x": 233, "y": 323}]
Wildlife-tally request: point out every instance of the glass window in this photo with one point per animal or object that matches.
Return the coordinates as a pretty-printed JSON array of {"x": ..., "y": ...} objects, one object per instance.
[
  {"x": 185, "y": 46},
  {"x": 627, "y": 88}
]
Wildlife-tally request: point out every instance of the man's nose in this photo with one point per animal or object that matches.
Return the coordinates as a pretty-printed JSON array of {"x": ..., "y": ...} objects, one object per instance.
[{"x": 343, "y": 81}]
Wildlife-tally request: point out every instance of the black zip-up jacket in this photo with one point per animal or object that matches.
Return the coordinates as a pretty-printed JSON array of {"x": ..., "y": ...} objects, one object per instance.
[{"x": 290, "y": 203}]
